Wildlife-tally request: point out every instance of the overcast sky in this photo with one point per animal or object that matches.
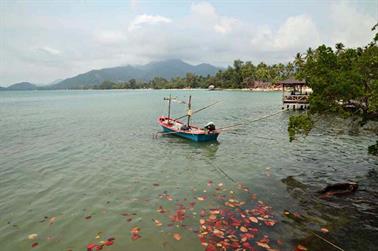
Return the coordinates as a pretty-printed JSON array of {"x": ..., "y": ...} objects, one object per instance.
[{"x": 41, "y": 41}]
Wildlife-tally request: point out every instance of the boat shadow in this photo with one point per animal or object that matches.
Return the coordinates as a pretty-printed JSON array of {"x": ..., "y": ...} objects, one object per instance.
[{"x": 207, "y": 149}]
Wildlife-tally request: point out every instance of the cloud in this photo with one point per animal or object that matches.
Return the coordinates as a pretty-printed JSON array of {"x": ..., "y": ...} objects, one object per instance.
[
  {"x": 110, "y": 37},
  {"x": 144, "y": 19},
  {"x": 50, "y": 51},
  {"x": 350, "y": 25},
  {"x": 44, "y": 45},
  {"x": 295, "y": 34},
  {"x": 134, "y": 4},
  {"x": 206, "y": 14}
]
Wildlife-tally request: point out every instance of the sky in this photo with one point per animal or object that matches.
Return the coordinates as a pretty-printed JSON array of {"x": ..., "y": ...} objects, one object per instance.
[{"x": 41, "y": 41}]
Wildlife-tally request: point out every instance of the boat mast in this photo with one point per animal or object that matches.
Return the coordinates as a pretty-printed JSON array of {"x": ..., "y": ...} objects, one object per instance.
[
  {"x": 169, "y": 107},
  {"x": 189, "y": 109}
]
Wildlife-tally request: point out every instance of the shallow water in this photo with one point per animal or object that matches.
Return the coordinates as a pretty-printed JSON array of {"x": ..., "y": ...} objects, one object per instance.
[{"x": 67, "y": 155}]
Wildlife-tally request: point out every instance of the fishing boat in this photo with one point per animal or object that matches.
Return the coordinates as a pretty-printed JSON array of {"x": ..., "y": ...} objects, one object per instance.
[{"x": 186, "y": 130}]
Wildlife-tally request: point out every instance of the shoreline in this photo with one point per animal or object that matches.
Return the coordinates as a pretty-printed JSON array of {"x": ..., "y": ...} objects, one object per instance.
[{"x": 173, "y": 89}]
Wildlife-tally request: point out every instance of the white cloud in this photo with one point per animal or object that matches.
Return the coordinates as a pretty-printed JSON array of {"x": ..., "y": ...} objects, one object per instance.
[
  {"x": 134, "y": 4},
  {"x": 206, "y": 14},
  {"x": 110, "y": 37},
  {"x": 144, "y": 19},
  {"x": 50, "y": 50},
  {"x": 350, "y": 25},
  {"x": 204, "y": 9},
  {"x": 296, "y": 34},
  {"x": 42, "y": 48}
]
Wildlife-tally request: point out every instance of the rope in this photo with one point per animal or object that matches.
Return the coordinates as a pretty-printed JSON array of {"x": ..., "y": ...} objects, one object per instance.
[
  {"x": 330, "y": 243},
  {"x": 320, "y": 237},
  {"x": 251, "y": 121},
  {"x": 221, "y": 171},
  {"x": 155, "y": 135}
]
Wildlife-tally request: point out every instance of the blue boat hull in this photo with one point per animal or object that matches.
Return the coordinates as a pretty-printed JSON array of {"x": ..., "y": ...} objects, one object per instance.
[{"x": 194, "y": 137}]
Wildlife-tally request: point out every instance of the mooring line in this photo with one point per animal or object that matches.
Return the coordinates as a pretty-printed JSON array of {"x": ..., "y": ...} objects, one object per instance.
[
  {"x": 250, "y": 121},
  {"x": 330, "y": 243},
  {"x": 221, "y": 171}
]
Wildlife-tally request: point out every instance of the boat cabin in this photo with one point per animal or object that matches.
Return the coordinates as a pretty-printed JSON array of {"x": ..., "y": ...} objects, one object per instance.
[{"x": 295, "y": 94}]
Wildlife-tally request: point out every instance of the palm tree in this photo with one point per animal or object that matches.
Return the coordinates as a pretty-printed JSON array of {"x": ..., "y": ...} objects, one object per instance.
[{"x": 339, "y": 48}]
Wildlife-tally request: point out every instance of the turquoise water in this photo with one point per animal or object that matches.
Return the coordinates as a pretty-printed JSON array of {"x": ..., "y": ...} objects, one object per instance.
[{"x": 72, "y": 162}]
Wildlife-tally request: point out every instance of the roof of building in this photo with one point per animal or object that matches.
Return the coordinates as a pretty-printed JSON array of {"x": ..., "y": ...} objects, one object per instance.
[{"x": 292, "y": 81}]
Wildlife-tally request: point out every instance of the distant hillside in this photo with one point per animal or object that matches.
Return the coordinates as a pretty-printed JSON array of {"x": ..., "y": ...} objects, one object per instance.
[
  {"x": 23, "y": 86},
  {"x": 166, "y": 69}
]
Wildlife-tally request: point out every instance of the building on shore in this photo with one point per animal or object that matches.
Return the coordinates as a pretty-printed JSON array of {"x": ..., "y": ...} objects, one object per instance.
[{"x": 295, "y": 94}]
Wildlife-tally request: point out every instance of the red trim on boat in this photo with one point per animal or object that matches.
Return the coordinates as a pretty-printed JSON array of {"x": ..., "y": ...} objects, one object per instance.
[{"x": 198, "y": 131}]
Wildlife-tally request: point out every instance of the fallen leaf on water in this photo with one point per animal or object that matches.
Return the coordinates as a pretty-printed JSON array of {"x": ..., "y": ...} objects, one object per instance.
[
  {"x": 212, "y": 217},
  {"x": 135, "y": 230},
  {"x": 324, "y": 230},
  {"x": 270, "y": 223},
  {"x": 177, "y": 236},
  {"x": 263, "y": 245},
  {"x": 202, "y": 221},
  {"x": 88, "y": 217},
  {"x": 157, "y": 222},
  {"x": 300, "y": 248},
  {"x": 108, "y": 243},
  {"x": 214, "y": 211},
  {"x": 34, "y": 244},
  {"x": 201, "y": 198},
  {"x": 243, "y": 229},
  {"x": 52, "y": 220},
  {"x": 99, "y": 247},
  {"x": 90, "y": 246},
  {"x": 161, "y": 210},
  {"x": 253, "y": 219},
  {"x": 135, "y": 237},
  {"x": 218, "y": 233},
  {"x": 211, "y": 247},
  {"x": 156, "y": 185},
  {"x": 32, "y": 236}
]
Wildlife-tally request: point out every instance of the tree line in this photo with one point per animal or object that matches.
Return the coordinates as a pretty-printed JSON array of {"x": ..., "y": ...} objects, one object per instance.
[{"x": 239, "y": 75}]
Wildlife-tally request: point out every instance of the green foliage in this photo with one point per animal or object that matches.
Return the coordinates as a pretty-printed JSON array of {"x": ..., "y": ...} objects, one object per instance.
[
  {"x": 299, "y": 124},
  {"x": 373, "y": 149},
  {"x": 341, "y": 80},
  {"x": 239, "y": 75}
]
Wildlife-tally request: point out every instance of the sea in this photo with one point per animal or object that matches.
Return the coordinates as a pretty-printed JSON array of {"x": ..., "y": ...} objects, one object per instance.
[{"x": 87, "y": 169}]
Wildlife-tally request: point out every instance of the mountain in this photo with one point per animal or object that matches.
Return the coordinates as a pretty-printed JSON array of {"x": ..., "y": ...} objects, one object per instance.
[
  {"x": 55, "y": 81},
  {"x": 166, "y": 69},
  {"x": 23, "y": 86}
]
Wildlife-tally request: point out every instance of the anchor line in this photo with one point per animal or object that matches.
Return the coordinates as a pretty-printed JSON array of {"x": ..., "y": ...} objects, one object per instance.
[
  {"x": 250, "y": 121},
  {"x": 221, "y": 171}
]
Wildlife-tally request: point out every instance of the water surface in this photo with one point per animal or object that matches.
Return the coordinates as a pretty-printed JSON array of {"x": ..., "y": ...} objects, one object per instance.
[{"x": 81, "y": 159}]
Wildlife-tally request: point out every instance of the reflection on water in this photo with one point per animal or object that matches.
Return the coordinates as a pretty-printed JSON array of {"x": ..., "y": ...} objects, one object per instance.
[{"x": 80, "y": 164}]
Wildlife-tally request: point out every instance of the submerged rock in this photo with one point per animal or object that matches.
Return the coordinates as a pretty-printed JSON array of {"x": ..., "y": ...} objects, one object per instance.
[{"x": 339, "y": 189}]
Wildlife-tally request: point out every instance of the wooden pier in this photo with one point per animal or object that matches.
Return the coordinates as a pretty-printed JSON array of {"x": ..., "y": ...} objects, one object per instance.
[{"x": 295, "y": 94}]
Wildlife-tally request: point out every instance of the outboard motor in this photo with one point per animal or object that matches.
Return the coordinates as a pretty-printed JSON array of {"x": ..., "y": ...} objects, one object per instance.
[
  {"x": 184, "y": 128},
  {"x": 210, "y": 126}
]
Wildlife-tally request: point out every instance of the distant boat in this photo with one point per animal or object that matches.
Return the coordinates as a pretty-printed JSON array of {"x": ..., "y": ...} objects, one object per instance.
[{"x": 187, "y": 131}]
